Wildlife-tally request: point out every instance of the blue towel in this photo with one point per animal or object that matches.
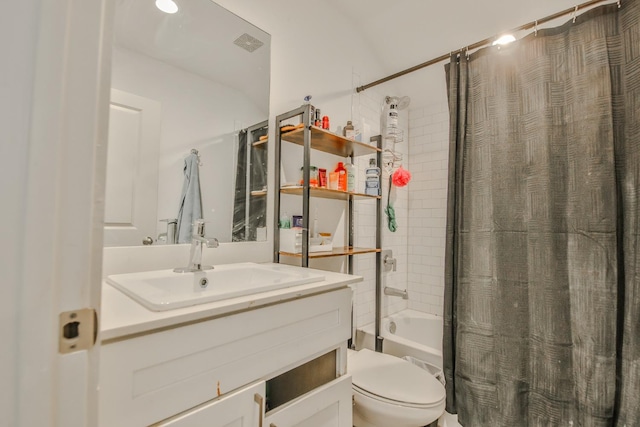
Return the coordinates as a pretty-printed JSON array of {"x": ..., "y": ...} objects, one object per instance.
[{"x": 190, "y": 201}]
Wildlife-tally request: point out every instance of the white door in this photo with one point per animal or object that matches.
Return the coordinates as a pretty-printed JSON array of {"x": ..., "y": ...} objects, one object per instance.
[
  {"x": 243, "y": 408},
  {"x": 56, "y": 70},
  {"x": 131, "y": 195}
]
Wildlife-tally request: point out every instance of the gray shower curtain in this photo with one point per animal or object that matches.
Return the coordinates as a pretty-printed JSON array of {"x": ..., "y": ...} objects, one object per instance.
[{"x": 542, "y": 295}]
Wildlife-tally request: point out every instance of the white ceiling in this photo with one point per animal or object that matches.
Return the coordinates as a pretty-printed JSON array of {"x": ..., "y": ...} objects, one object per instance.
[{"x": 404, "y": 33}]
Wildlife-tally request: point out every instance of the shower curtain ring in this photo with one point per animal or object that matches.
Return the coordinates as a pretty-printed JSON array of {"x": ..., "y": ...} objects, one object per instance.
[
  {"x": 618, "y": 4},
  {"x": 466, "y": 52},
  {"x": 535, "y": 28},
  {"x": 575, "y": 14}
]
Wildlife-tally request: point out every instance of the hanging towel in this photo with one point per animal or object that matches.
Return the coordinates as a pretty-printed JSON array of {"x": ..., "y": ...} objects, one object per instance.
[{"x": 190, "y": 201}]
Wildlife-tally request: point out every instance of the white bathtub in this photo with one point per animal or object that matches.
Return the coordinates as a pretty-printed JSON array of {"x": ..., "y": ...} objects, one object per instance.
[{"x": 417, "y": 334}]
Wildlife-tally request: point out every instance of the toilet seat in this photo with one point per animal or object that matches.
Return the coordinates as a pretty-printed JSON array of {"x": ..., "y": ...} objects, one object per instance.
[{"x": 392, "y": 380}]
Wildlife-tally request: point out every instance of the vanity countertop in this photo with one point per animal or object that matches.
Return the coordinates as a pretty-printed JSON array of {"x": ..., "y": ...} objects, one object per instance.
[{"x": 122, "y": 316}]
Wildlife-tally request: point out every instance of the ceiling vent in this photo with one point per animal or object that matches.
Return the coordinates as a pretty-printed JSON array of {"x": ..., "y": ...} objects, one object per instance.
[{"x": 247, "y": 42}]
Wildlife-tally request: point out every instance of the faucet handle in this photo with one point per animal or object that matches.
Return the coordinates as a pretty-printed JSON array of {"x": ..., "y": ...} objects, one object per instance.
[
  {"x": 170, "y": 236},
  {"x": 198, "y": 227},
  {"x": 212, "y": 242}
]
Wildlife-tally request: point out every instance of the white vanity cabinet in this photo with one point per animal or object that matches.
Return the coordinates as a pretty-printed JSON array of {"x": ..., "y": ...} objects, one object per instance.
[
  {"x": 220, "y": 369},
  {"x": 239, "y": 409}
]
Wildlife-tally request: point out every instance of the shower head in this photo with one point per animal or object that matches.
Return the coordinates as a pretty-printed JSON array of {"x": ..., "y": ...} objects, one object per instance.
[{"x": 401, "y": 102}]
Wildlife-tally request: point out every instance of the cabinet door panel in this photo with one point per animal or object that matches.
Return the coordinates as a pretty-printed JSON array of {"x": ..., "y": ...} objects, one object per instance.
[
  {"x": 327, "y": 406},
  {"x": 242, "y": 408}
]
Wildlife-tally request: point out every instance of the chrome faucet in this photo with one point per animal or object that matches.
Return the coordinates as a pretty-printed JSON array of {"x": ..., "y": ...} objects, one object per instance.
[
  {"x": 195, "y": 255},
  {"x": 396, "y": 292}
]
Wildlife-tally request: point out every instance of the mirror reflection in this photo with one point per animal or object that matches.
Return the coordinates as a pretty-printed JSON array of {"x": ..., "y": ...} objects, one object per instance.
[{"x": 187, "y": 124}]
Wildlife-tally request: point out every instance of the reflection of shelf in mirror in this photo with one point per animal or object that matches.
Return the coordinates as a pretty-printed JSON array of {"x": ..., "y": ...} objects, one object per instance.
[
  {"x": 260, "y": 143},
  {"x": 340, "y": 251},
  {"x": 328, "y": 142},
  {"x": 327, "y": 193},
  {"x": 259, "y": 193}
]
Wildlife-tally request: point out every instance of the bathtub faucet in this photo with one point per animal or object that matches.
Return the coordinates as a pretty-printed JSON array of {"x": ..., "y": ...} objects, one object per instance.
[{"x": 394, "y": 292}]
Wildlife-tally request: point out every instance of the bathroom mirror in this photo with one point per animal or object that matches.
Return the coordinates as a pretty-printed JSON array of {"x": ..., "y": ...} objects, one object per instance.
[{"x": 192, "y": 77}]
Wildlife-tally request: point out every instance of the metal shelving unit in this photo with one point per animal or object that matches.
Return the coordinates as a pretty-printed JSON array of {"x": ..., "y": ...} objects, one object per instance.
[{"x": 314, "y": 138}]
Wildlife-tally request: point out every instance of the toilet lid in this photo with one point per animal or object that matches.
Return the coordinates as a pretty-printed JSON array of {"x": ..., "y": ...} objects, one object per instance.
[{"x": 393, "y": 378}]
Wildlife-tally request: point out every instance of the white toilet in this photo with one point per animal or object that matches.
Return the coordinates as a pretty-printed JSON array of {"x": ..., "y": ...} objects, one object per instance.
[{"x": 392, "y": 392}]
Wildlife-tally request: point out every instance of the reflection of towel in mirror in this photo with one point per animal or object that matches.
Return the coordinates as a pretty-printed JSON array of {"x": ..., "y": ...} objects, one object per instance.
[{"x": 190, "y": 201}]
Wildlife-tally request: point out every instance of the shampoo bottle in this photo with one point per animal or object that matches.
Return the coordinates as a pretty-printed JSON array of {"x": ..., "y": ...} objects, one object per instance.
[
  {"x": 342, "y": 177},
  {"x": 351, "y": 177}
]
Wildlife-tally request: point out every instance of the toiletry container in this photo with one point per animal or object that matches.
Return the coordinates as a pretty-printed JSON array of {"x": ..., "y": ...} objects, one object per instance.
[
  {"x": 351, "y": 177},
  {"x": 333, "y": 180},
  {"x": 349, "y": 131},
  {"x": 392, "y": 119},
  {"x": 291, "y": 241},
  {"x": 325, "y": 122},
  {"x": 342, "y": 177},
  {"x": 313, "y": 176},
  {"x": 372, "y": 179},
  {"x": 322, "y": 178}
]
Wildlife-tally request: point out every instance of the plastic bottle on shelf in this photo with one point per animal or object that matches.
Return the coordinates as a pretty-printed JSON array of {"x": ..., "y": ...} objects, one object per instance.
[
  {"x": 325, "y": 122},
  {"x": 342, "y": 177},
  {"x": 349, "y": 131},
  {"x": 351, "y": 177}
]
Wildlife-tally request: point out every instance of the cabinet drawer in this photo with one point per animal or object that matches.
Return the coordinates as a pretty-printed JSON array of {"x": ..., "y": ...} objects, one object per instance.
[
  {"x": 242, "y": 408},
  {"x": 326, "y": 406},
  {"x": 152, "y": 377}
]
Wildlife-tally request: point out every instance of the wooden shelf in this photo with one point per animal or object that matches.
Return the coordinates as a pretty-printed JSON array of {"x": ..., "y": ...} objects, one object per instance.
[
  {"x": 259, "y": 193},
  {"x": 326, "y": 193},
  {"x": 260, "y": 143},
  {"x": 341, "y": 251},
  {"x": 328, "y": 142}
]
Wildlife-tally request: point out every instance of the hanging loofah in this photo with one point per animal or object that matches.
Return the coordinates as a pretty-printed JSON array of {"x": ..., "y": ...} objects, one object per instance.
[{"x": 401, "y": 177}]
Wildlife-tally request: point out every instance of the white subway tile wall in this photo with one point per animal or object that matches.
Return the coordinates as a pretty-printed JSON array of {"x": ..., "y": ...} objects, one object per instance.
[
  {"x": 369, "y": 105},
  {"x": 429, "y": 150}
]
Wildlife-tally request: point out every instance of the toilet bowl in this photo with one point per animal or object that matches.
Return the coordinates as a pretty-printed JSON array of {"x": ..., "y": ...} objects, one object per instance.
[{"x": 389, "y": 391}]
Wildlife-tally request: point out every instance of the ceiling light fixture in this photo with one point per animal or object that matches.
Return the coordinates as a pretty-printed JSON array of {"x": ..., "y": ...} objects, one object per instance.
[
  {"x": 506, "y": 39},
  {"x": 167, "y": 6}
]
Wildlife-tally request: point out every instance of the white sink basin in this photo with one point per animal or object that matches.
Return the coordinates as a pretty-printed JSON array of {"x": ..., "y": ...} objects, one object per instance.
[{"x": 165, "y": 290}]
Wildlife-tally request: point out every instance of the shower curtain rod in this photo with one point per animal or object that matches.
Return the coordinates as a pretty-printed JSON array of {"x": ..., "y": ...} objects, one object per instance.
[{"x": 481, "y": 43}]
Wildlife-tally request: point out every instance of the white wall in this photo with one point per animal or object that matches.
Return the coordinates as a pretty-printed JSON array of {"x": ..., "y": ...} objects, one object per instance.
[
  {"x": 429, "y": 141},
  {"x": 196, "y": 113}
]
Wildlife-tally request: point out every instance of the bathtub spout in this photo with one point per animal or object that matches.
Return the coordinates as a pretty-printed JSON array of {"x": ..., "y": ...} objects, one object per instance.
[{"x": 396, "y": 292}]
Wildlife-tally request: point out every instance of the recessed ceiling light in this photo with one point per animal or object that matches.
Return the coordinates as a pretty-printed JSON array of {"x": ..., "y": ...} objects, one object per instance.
[
  {"x": 167, "y": 6},
  {"x": 506, "y": 39}
]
